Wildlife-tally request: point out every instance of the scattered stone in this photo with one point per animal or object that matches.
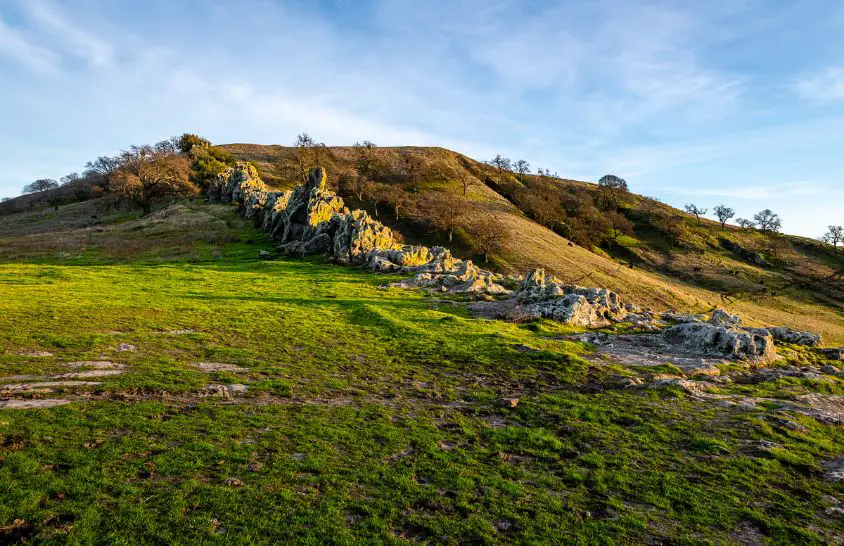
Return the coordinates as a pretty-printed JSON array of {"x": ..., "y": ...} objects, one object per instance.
[
  {"x": 264, "y": 255},
  {"x": 697, "y": 388},
  {"x": 234, "y": 482},
  {"x": 227, "y": 391},
  {"x": 524, "y": 349},
  {"x": 787, "y": 335},
  {"x": 210, "y": 367},
  {"x": 629, "y": 381},
  {"x": 126, "y": 347},
  {"x": 723, "y": 318},
  {"x": 508, "y": 402},
  {"x": 830, "y": 369},
  {"x": 32, "y": 403},
  {"x": 708, "y": 371}
]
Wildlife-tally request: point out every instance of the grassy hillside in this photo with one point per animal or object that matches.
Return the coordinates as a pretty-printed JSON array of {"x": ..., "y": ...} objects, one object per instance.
[
  {"x": 370, "y": 414},
  {"x": 665, "y": 259}
]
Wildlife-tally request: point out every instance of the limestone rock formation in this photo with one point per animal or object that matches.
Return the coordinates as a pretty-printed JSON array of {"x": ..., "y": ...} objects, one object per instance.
[
  {"x": 312, "y": 219},
  {"x": 547, "y": 296},
  {"x": 729, "y": 341}
]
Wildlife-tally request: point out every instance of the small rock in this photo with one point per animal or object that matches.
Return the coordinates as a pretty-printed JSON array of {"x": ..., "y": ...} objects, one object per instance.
[
  {"x": 708, "y": 371},
  {"x": 830, "y": 369},
  {"x": 126, "y": 347},
  {"x": 228, "y": 391},
  {"x": 691, "y": 387},
  {"x": 629, "y": 381},
  {"x": 264, "y": 255},
  {"x": 524, "y": 349},
  {"x": 508, "y": 402},
  {"x": 234, "y": 482}
]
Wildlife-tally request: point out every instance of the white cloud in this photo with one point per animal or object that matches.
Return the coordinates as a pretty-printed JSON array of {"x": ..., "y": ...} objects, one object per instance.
[{"x": 827, "y": 85}]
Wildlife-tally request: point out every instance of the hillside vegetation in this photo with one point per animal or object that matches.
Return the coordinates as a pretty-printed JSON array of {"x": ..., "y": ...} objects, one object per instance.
[{"x": 652, "y": 254}]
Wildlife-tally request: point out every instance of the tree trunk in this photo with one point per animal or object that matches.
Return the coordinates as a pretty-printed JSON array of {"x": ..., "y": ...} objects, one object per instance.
[{"x": 450, "y": 234}]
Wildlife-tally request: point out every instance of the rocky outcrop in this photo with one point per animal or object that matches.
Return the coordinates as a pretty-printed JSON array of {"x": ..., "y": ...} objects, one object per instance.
[
  {"x": 547, "y": 296},
  {"x": 312, "y": 219}
]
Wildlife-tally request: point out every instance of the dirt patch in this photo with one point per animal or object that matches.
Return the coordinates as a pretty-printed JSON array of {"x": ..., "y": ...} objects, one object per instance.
[
  {"x": 210, "y": 367},
  {"x": 33, "y": 403},
  {"x": 88, "y": 373},
  {"x": 34, "y": 353},
  {"x": 96, "y": 364},
  {"x": 44, "y": 386}
]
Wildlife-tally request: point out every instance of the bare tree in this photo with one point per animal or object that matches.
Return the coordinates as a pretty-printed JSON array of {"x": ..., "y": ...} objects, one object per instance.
[
  {"x": 444, "y": 210},
  {"x": 42, "y": 184},
  {"x": 501, "y": 163},
  {"x": 834, "y": 236},
  {"x": 365, "y": 157},
  {"x": 150, "y": 172},
  {"x": 103, "y": 166},
  {"x": 309, "y": 154},
  {"x": 489, "y": 235},
  {"x": 397, "y": 198},
  {"x": 697, "y": 211},
  {"x": 768, "y": 221},
  {"x": 745, "y": 223},
  {"x": 619, "y": 225},
  {"x": 70, "y": 179},
  {"x": 466, "y": 182},
  {"x": 521, "y": 167},
  {"x": 723, "y": 213}
]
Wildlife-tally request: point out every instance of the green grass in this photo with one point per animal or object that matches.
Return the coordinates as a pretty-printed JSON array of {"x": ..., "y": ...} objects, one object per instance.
[{"x": 371, "y": 417}]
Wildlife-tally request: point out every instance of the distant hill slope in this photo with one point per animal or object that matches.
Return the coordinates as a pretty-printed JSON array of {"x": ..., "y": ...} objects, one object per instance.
[
  {"x": 665, "y": 259},
  {"x": 659, "y": 257}
]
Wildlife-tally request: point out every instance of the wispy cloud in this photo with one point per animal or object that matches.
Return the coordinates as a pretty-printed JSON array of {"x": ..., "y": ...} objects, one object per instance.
[
  {"x": 827, "y": 85},
  {"x": 13, "y": 44},
  {"x": 82, "y": 44},
  {"x": 770, "y": 191}
]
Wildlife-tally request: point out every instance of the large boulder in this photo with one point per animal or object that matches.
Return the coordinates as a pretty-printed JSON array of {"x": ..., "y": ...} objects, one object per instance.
[
  {"x": 797, "y": 337},
  {"x": 728, "y": 341}
]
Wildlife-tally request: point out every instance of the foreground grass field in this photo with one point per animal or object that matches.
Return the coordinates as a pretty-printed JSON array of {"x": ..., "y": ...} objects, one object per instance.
[{"x": 371, "y": 415}]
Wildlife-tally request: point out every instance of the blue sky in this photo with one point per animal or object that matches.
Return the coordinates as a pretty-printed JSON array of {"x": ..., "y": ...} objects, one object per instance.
[{"x": 738, "y": 102}]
